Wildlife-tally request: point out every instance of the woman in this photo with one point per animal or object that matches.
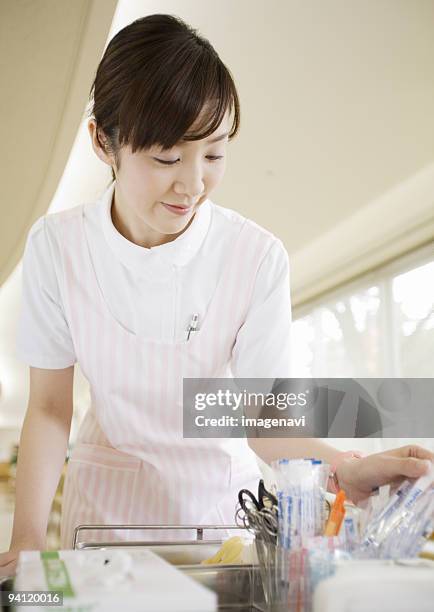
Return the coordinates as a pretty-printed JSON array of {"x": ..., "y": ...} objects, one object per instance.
[{"x": 151, "y": 284}]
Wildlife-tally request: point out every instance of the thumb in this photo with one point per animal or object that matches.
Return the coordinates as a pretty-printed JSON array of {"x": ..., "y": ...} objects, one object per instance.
[
  {"x": 8, "y": 571},
  {"x": 409, "y": 467},
  {"x": 7, "y": 557}
]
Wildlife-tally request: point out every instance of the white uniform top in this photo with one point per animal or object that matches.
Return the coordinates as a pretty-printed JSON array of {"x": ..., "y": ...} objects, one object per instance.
[
  {"x": 122, "y": 311},
  {"x": 154, "y": 292}
]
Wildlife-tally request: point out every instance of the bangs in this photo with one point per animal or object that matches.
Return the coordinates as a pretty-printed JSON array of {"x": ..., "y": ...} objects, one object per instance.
[{"x": 183, "y": 97}]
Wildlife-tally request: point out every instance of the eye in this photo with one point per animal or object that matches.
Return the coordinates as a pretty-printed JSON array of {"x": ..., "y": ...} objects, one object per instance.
[{"x": 166, "y": 162}]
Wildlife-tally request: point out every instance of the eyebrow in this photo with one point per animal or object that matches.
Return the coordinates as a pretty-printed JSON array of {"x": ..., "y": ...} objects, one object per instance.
[{"x": 213, "y": 140}]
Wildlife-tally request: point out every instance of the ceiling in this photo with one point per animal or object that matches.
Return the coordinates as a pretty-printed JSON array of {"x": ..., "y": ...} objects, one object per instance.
[
  {"x": 52, "y": 49},
  {"x": 336, "y": 101}
]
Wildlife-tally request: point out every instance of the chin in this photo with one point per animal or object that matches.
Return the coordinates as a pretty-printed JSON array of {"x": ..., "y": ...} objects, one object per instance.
[
  {"x": 175, "y": 225},
  {"x": 175, "y": 228}
]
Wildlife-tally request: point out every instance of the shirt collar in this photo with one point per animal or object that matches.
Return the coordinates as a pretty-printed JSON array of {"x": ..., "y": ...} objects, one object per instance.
[{"x": 178, "y": 252}]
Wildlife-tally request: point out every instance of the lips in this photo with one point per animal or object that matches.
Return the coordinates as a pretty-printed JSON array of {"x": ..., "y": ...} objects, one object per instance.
[
  {"x": 177, "y": 209},
  {"x": 176, "y": 205}
]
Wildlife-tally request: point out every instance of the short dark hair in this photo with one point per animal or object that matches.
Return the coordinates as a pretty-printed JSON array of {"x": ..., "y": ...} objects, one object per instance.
[{"x": 156, "y": 77}]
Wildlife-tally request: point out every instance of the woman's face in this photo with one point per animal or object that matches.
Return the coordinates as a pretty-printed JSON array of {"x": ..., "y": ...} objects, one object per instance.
[{"x": 157, "y": 193}]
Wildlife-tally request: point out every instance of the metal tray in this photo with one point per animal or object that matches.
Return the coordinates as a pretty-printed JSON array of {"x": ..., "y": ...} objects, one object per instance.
[{"x": 238, "y": 587}]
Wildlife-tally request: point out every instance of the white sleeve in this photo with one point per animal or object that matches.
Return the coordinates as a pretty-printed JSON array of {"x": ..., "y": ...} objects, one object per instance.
[
  {"x": 262, "y": 347},
  {"x": 43, "y": 337}
]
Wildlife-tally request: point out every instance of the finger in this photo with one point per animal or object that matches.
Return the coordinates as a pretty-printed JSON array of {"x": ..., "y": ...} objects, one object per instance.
[
  {"x": 418, "y": 452},
  {"x": 390, "y": 469},
  {"x": 411, "y": 450}
]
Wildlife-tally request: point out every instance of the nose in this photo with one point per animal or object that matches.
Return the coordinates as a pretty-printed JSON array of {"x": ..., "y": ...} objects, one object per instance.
[{"x": 190, "y": 184}]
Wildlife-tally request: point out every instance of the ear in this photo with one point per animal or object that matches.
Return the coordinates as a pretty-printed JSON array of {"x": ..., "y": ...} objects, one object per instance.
[{"x": 97, "y": 144}]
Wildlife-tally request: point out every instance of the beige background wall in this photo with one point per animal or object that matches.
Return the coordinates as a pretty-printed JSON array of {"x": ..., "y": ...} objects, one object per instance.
[
  {"x": 335, "y": 153},
  {"x": 337, "y": 101},
  {"x": 49, "y": 49}
]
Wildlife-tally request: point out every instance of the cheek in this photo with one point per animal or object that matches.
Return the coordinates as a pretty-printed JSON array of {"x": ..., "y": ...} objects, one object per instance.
[
  {"x": 147, "y": 185},
  {"x": 217, "y": 174}
]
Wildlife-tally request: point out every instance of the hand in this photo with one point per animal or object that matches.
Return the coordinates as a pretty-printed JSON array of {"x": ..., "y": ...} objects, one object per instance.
[
  {"x": 359, "y": 477},
  {"x": 8, "y": 562}
]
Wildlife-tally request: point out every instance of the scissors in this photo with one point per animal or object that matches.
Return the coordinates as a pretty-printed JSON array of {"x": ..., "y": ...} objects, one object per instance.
[
  {"x": 265, "y": 499},
  {"x": 258, "y": 514}
]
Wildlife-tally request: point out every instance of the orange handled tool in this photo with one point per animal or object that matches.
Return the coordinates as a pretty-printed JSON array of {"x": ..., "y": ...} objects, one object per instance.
[{"x": 336, "y": 517}]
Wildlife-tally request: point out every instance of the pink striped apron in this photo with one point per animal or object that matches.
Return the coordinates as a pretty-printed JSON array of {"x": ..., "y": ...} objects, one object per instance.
[{"x": 131, "y": 464}]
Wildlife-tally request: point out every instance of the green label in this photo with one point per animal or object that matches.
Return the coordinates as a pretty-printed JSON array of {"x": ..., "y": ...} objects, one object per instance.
[{"x": 56, "y": 574}]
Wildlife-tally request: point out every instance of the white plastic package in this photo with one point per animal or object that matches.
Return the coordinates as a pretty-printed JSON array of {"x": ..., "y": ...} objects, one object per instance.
[{"x": 111, "y": 580}]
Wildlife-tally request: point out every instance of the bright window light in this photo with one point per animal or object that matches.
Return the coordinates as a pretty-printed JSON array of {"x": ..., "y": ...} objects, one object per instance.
[{"x": 383, "y": 327}]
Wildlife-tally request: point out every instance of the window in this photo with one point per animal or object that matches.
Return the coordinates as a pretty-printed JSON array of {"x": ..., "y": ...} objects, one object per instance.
[{"x": 381, "y": 326}]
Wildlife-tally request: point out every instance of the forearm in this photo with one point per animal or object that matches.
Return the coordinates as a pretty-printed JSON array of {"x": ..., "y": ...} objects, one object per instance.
[
  {"x": 270, "y": 449},
  {"x": 41, "y": 457}
]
